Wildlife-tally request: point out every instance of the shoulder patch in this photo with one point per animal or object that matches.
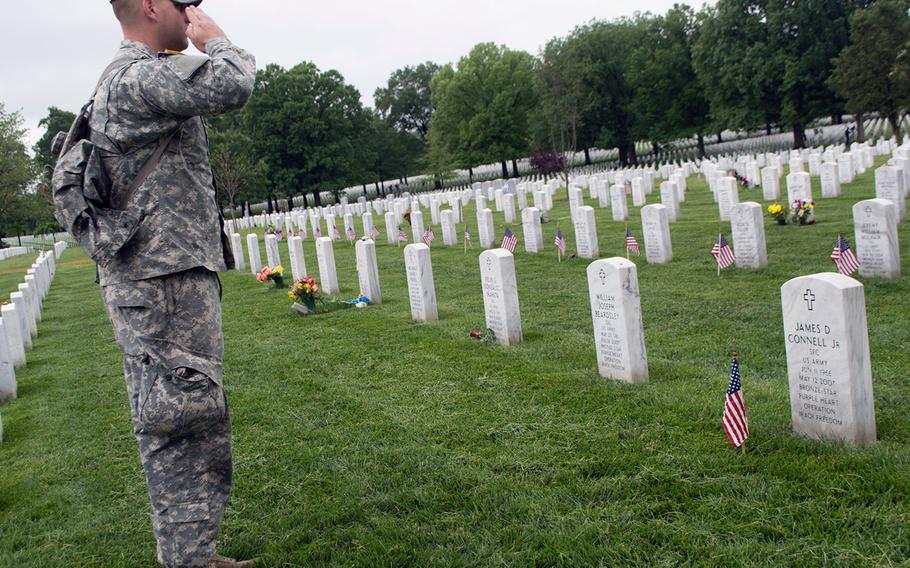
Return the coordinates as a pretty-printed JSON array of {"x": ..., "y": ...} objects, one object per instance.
[{"x": 186, "y": 65}]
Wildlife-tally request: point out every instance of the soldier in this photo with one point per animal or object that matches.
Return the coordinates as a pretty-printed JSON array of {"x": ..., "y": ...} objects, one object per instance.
[{"x": 158, "y": 266}]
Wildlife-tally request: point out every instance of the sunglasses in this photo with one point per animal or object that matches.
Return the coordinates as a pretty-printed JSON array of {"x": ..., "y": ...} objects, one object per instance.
[{"x": 182, "y": 5}]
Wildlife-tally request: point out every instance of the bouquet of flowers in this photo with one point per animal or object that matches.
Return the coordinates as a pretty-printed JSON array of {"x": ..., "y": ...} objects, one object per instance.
[
  {"x": 741, "y": 180},
  {"x": 802, "y": 212},
  {"x": 407, "y": 217},
  {"x": 305, "y": 291},
  {"x": 273, "y": 274},
  {"x": 776, "y": 210}
]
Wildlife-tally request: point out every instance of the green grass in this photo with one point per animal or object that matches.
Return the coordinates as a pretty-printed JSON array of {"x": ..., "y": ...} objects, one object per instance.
[
  {"x": 12, "y": 273},
  {"x": 363, "y": 439}
]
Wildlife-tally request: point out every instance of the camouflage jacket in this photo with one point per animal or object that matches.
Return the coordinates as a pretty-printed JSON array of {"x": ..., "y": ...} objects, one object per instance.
[{"x": 141, "y": 102}]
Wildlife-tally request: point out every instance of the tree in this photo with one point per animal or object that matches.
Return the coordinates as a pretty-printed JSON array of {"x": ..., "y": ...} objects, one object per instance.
[
  {"x": 56, "y": 121},
  {"x": 806, "y": 36},
  {"x": 558, "y": 116},
  {"x": 17, "y": 175},
  {"x": 870, "y": 74},
  {"x": 483, "y": 107},
  {"x": 734, "y": 61},
  {"x": 405, "y": 102},
  {"x": 309, "y": 128},
  {"x": 669, "y": 101},
  {"x": 236, "y": 169}
]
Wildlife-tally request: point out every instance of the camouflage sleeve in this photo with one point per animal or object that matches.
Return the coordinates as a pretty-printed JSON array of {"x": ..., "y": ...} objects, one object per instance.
[{"x": 199, "y": 86}]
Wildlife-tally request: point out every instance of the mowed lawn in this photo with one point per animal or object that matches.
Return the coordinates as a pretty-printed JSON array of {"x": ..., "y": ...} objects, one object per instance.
[{"x": 363, "y": 439}]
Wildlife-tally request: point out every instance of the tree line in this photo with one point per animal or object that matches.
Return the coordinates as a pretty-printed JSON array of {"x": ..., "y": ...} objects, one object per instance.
[{"x": 682, "y": 75}]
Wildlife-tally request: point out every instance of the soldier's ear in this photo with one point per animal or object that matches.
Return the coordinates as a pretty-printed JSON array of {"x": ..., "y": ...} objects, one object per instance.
[{"x": 149, "y": 10}]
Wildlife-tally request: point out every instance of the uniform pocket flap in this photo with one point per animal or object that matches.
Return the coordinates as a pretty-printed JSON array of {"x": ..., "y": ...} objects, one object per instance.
[
  {"x": 137, "y": 294},
  {"x": 187, "y": 512}
]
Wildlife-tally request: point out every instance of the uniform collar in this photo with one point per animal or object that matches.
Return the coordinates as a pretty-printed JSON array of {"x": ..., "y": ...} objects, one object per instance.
[{"x": 137, "y": 46}]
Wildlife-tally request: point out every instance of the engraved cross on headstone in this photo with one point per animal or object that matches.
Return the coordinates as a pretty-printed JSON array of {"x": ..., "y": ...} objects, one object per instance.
[{"x": 809, "y": 297}]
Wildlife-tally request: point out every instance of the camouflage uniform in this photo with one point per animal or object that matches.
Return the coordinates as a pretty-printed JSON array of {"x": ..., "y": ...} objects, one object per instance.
[{"x": 159, "y": 283}]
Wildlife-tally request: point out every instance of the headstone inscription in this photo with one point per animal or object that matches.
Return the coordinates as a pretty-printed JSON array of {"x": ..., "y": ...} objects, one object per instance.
[
  {"x": 828, "y": 362},
  {"x": 616, "y": 312}
]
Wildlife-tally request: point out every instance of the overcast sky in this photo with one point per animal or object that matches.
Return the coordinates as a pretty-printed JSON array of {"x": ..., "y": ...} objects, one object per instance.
[{"x": 54, "y": 50}]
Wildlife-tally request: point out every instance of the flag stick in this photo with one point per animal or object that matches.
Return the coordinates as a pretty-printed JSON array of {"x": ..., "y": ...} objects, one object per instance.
[
  {"x": 717, "y": 258},
  {"x": 627, "y": 244}
]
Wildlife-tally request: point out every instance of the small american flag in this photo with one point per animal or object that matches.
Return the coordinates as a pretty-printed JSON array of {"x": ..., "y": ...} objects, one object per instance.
[
  {"x": 336, "y": 234},
  {"x": 559, "y": 241},
  {"x": 509, "y": 240},
  {"x": 467, "y": 234},
  {"x": 843, "y": 256},
  {"x": 428, "y": 236},
  {"x": 631, "y": 243},
  {"x": 374, "y": 232},
  {"x": 402, "y": 236},
  {"x": 736, "y": 423},
  {"x": 352, "y": 236},
  {"x": 722, "y": 252}
]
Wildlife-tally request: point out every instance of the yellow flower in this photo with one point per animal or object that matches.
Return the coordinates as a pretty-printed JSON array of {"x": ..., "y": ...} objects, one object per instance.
[
  {"x": 291, "y": 295},
  {"x": 278, "y": 271}
]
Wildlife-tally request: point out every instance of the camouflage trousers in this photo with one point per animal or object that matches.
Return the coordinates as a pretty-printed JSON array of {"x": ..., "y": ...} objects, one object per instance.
[{"x": 169, "y": 329}]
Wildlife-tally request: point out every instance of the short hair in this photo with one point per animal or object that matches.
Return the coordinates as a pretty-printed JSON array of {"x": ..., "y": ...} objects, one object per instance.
[{"x": 125, "y": 10}]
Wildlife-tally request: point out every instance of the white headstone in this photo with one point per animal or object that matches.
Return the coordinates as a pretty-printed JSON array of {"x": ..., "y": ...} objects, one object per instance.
[
  {"x": 298, "y": 260},
  {"x": 638, "y": 192},
  {"x": 830, "y": 179},
  {"x": 748, "y": 227},
  {"x": 586, "y": 233},
  {"x": 252, "y": 245},
  {"x": 799, "y": 187},
  {"x": 770, "y": 183},
  {"x": 727, "y": 196},
  {"x": 875, "y": 228},
  {"x": 7, "y": 371},
  {"x": 421, "y": 288},
  {"x": 533, "y": 233},
  {"x": 449, "y": 233},
  {"x": 889, "y": 184},
  {"x": 237, "y": 250},
  {"x": 271, "y": 251},
  {"x": 655, "y": 227},
  {"x": 18, "y": 300},
  {"x": 391, "y": 227},
  {"x": 508, "y": 207},
  {"x": 500, "y": 295},
  {"x": 325, "y": 258},
  {"x": 485, "y": 228},
  {"x": 368, "y": 270},
  {"x": 13, "y": 330},
  {"x": 670, "y": 199},
  {"x": 619, "y": 337},
  {"x": 845, "y": 167},
  {"x": 417, "y": 227},
  {"x": 618, "y": 203},
  {"x": 828, "y": 363}
]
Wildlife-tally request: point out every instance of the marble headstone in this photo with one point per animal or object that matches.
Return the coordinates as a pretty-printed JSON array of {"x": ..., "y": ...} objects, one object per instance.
[
  {"x": 586, "y": 233},
  {"x": 252, "y": 246},
  {"x": 271, "y": 251},
  {"x": 889, "y": 184},
  {"x": 237, "y": 251},
  {"x": 368, "y": 270},
  {"x": 655, "y": 228},
  {"x": 619, "y": 337},
  {"x": 828, "y": 362},
  {"x": 748, "y": 228},
  {"x": 298, "y": 260},
  {"x": 533, "y": 232},
  {"x": 325, "y": 258},
  {"x": 875, "y": 231},
  {"x": 500, "y": 296},
  {"x": 421, "y": 288},
  {"x": 669, "y": 198}
]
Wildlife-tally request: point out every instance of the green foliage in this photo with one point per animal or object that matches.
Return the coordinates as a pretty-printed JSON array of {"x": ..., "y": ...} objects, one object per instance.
[
  {"x": 238, "y": 171},
  {"x": 20, "y": 206},
  {"x": 873, "y": 72},
  {"x": 735, "y": 64},
  {"x": 56, "y": 121},
  {"x": 405, "y": 102},
  {"x": 309, "y": 127},
  {"x": 669, "y": 101},
  {"x": 483, "y": 107}
]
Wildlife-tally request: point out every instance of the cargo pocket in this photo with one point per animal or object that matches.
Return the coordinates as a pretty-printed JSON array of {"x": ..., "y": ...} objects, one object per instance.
[
  {"x": 191, "y": 512},
  {"x": 179, "y": 401},
  {"x": 137, "y": 310}
]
